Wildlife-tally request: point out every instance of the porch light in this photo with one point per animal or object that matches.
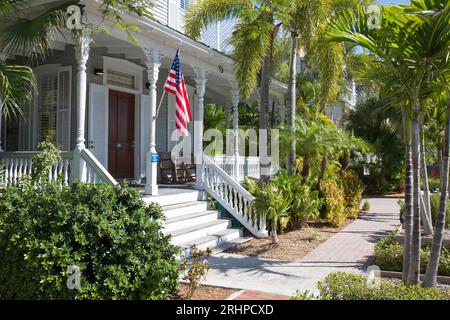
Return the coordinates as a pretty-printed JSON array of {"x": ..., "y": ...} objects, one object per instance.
[{"x": 98, "y": 72}]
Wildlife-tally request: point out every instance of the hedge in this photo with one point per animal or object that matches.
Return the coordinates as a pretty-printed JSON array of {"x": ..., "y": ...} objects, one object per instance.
[{"x": 107, "y": 231}]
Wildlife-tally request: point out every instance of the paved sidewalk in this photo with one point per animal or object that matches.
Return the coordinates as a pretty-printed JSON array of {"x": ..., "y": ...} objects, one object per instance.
[{"x": 350, "y": 250}]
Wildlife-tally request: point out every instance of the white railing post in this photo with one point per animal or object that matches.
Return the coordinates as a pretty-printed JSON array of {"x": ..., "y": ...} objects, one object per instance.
[
  {"x": 201, "y": 76},
  {"x": 235, "y": 103},
  {"x": 151, "y": 167},
  {"x": 82, "y": 55}
]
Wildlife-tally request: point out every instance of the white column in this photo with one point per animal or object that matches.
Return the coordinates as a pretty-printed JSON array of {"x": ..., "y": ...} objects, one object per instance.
[
  {"x": 82, "y": 55},
  {"x": 151, "y": 167},
  {"x": 235, "y": 103},
  {"x": 201, "y": 76}
]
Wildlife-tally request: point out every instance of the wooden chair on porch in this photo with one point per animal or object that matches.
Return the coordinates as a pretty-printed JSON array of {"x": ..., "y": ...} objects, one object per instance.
[{"x": 172, "y": 172}]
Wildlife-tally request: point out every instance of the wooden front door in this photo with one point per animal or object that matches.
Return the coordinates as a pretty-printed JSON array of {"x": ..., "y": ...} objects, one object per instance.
[{"x": 121, "y": 135}]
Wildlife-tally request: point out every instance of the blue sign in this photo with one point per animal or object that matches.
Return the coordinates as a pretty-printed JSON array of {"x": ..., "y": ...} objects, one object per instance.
[{"x": 154, "y": 158}]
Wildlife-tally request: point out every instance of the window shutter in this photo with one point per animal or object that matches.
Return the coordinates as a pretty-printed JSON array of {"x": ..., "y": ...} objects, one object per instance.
[
  {"x": 63, "y": 116},
  {"x": 47, "y": 102},
  {"x": 25, "y": 127}
]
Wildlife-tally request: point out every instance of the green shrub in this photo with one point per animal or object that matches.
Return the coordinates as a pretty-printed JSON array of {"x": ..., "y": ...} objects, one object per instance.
[
  {"x": 366, "y": 206},
  {"x": 107, "y": 231},
  {"x": 334, "y": 202},
  {"x": 345, "y": 286},
  {"x": 389, "y": 257},
  {"x": 353, "y": 190},
  {"x": 304, "y": 201}
]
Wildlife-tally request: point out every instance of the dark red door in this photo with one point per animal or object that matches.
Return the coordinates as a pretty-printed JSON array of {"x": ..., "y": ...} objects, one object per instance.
[{"x": 121, "y": 135}]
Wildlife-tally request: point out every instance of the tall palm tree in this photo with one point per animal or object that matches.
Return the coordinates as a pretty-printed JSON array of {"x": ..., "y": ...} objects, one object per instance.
[
  {"x": 253, "y": 40},
  {"x": 412, "y": 43}
]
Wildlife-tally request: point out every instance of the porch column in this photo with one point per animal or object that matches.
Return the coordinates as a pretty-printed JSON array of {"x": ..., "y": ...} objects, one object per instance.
[
  {"x": 228, "y": 146},
  {"x": 151, "y": 167},
  {"x": 201, "y": 76},
  {"x": 82, "y": 55},
  {"x": 235, "y": 103}
]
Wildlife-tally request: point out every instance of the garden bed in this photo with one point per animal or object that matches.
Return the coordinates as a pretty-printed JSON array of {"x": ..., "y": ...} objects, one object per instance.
[
  {"x": 426, "y": 239},
  {"x": 206, "y": 293},
  {"x": 394, "y": 276},
  {"x": 292, "y": 245}
]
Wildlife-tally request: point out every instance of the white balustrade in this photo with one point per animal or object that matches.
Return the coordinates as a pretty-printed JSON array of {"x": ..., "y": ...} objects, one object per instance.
[
  {"x": 248, "y": 166},
  {"x": 16, "y": 165},
  {"x": 231, "y": 195}
]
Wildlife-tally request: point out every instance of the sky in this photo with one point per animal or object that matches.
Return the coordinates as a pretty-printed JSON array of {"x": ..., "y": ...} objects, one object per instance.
[{"x": 383, "y": 2}]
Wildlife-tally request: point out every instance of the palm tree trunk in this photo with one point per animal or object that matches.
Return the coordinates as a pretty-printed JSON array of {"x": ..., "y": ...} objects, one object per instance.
[
  {"x": 274, "y": 234},
  {"x": 306, "y": 166},
  {"x": 408, "y": 213},
  {"x": 264, "y": 108},
  {"x": 436, "y": 246},
  {"x": 426, "y": 212},
  {"x": 291, "y": 99},
  {"x": 414, "y": 267},
  {"x": 264, "y": 102}
]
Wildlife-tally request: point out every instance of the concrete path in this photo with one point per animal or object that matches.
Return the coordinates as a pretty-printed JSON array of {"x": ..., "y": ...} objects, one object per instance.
[{"x": 350, "y": 250}]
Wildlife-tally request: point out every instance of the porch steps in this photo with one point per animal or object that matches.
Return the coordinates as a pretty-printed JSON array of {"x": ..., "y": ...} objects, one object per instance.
[{"x": 189, "y": 221}]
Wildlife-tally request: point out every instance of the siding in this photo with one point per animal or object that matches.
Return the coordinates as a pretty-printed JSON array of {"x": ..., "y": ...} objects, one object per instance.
[{"x": 160, "y": 11}]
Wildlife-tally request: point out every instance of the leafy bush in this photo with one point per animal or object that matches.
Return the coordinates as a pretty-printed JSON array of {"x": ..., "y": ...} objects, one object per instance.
[
  {"x": 389, "y": 257},
  {"x": 366, "y": 206},
  {"x": 346, "y": 286},
  {"x": 304, "y": 201},
  {"x": 197, "y": 270},
  {"x": 334, "y": 202},
  {"x": 107, "y": 231},
  {"x": 353, "y": 189}
]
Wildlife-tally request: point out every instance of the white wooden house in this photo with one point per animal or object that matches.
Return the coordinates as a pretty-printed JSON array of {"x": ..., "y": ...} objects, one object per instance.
[{"x": 97, "y": 100}]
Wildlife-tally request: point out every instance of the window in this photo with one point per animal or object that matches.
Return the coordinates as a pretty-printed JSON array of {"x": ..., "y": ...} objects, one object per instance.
[
  {"x": 53, "y": 116},
  {"x": 120, "y": 79}
]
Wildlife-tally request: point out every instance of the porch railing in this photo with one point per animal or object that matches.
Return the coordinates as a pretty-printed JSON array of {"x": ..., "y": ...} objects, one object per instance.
[
  {"x": 95, "y": 171},
  {"x": 231, "y": 195},
  {"x": 248, "y": 166},
  {"x": 16, "y": 165}
]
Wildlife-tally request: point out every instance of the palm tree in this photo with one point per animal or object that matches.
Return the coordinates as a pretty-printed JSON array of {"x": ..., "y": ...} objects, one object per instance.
[
  {"x": 253, "y": 40},
  {"x": 412, "y": 43}
]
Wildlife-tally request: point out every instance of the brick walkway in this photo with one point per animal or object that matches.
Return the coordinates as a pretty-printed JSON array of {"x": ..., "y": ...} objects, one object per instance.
[
  {"x": 257, "y": 295},
  {"x": 353, "y": 246},
  {"x": 350, "y": 250}
]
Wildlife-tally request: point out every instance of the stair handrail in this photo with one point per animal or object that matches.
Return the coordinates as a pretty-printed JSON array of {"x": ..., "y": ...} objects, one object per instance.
[
  {"x": 232, "y": 196},
  {"x": 95, "y": 170}
]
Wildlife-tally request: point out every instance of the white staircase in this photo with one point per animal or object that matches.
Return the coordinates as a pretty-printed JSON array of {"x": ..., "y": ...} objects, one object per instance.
[{"x": 189, "y": 221}]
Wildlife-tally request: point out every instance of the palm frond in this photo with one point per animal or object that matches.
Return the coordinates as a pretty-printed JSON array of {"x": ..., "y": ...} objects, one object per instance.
[
  {"x": 204, "y": 12},
  {"x": 35, "y": 35},
  {"x": 17, "y": 85}
]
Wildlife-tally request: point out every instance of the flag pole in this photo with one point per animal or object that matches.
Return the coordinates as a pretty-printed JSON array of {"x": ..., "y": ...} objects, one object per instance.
[{"x": 159, "y": 106}]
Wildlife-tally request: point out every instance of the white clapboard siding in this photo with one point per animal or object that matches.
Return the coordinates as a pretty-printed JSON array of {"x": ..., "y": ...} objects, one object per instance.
[
  {"x": 63, "y": 118},
  {"x": 98, "y": 122},
  {"x": 160, "y": 10}
]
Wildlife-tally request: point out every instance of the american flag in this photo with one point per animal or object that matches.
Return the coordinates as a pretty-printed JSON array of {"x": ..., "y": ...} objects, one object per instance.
[{"x": 176, "y": 86}]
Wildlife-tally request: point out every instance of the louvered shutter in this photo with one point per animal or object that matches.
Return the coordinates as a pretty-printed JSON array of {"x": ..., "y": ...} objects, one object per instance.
[
  {"x": 64, "y": 108},
  {"x": 47, "y": 105},
  {"x": 98, "y": 122},
  {"x": 25, "y": 127}
]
